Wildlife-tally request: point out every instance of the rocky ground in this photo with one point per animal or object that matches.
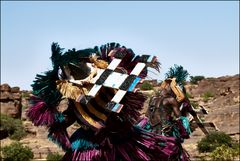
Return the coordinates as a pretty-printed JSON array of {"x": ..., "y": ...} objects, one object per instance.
[
  {"x": 15, "y": 103},
  {"x": 222, "y": 104},
  {"x": 223, "y": 107}
]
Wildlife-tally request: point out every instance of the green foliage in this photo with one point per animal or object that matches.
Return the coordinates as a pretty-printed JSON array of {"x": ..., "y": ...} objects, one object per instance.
[
  {"x": 25, "y": 95},
  {"x": 236, "y": 147},
  {"x": 13, "y": 127},
  {"x": 189, "y": 95},
  {"x": 207, "y": 95},
  {"x": 203, "y": 158},
  {"x": 146, "y": 86},
  {"x": 194, "y": 104},
  {"x": 54, "y": 157},
  {"x": 17, "y": 152},
  {"x": 196, "y": 79},
  {"x": 223, "y": 153},
  {"x": 215, "y": 139},
  {"x": 24, "y": 107},
  {"x": 211, "y": 78}
]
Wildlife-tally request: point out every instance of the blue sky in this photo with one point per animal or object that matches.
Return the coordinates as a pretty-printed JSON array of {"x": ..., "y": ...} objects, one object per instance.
[{"x": 201, "y": 36}]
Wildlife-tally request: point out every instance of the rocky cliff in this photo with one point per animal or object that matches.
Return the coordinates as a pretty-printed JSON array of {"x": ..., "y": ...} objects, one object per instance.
[
  {"x": 220, "y": 96},
  {"x": 10, "y": 99}
]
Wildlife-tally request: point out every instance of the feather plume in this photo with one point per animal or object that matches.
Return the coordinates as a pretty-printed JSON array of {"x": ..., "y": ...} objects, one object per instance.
[
  {"x": 155, "y": 65},
  {"x": 104, "y": 50},
  {"x": 44, "y": 87},
  {"x": 56, "y": 55},
  {"x": 179, "y": 73}
]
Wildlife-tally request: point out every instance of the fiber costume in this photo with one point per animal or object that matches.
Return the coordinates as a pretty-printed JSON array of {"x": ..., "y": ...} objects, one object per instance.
[
  {"x": 164, "y": 116},
  {"x": 99, "y": 84},
  {"x": 176, "y": 77}
]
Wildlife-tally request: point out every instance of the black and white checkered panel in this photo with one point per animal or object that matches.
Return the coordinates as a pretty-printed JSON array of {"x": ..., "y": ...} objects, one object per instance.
[{"x": 122, "y": 82}]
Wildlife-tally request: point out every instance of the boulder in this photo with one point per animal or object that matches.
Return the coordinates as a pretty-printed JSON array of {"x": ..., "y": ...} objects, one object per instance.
[
  {"x": 10, "y": 100},
  {"x": 29, "y": 127},
  {"x": 42, "y": 132},
  {"x": 5, "y": 87},
  {"x": 16, "y": 96},
  {"x": 5, "y": 96},
  {"x": 15, "y": 90},
  {"x": 11, "y": 108},
  {"x": 236, "y": 99}
]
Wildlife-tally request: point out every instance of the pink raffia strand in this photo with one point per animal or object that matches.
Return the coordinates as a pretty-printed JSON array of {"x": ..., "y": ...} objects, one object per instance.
[
  {"x": 133, "y": 103},
  {"x": 40, "y": 114},
  {"x": 61, "y": 137}
]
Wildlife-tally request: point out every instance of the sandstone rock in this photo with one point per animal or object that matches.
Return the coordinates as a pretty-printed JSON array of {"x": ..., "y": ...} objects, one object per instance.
[
  {"x": 5, "y": 142},
  {"x": 10, "y": 99},
  {"x": 29, "y": 127},
  {"x": 5, "y": 95},
  {"x": 16, "y": 96},
  {"x": 5, "y": 87},
  {"x": 15, "y": 89},
  {"x": 225, "y": 91},
  {"x": 10, "y": 109},
  {"x": 236, "y": 99},
  {"x": 41, "y": 146},
  {"x": 223, "y": 110},
  {"x": 42, "y": 132},
  {"x": 24, "y": 115}
]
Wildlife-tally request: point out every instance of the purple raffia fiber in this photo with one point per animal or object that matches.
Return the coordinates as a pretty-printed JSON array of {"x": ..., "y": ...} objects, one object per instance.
[
  {"x": 133, "y": 103},
  {"x": 130, "y": 143},
  {"x": 86, "y": 155},
  {"x": 182, "y": 130},
  {"x": 60, "y": 136},
  {"x": 133, "y": 143},
  {"x": 40, "y": 113},
  {"x": 142, "y": 122}
]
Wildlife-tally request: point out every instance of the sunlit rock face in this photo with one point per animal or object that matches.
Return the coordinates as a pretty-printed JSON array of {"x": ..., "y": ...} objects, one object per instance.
[{"x": 10, "y": 100}]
